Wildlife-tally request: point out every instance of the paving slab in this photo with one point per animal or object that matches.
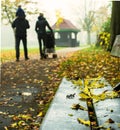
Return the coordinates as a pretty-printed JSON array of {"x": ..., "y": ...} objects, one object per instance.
[
  {"x": 58, "y": 116},
  {"x": 108, "y": 110}
]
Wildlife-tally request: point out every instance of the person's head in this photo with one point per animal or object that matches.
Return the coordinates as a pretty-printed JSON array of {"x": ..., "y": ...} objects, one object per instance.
[
  {"x": 41, "y": 14},
  {"x": 19, "y": 6}
]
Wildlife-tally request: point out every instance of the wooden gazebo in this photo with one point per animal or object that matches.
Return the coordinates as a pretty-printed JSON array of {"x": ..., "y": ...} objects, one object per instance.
[{"x": 65, "y": 34}]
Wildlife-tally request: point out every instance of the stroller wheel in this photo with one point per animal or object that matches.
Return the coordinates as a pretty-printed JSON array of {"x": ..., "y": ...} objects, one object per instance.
[
  {"x": 46, "y": 56},
  {"x": 54, "y": 55}
]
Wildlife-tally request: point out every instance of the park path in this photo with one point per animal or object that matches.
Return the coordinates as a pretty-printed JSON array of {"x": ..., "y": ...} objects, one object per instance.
[
  {"x": 62, "y": 52},
  {"x": 21, "y": 78}
]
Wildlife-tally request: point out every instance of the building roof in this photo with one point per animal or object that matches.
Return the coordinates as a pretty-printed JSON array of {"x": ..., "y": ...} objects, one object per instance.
[{"x": 64, "y": 25}]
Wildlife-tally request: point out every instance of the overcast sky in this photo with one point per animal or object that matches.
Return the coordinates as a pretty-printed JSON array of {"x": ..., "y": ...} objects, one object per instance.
[{"x": 68, "y": 8}]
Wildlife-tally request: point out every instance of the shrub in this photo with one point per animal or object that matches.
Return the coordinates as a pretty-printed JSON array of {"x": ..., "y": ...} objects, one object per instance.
[
  {"x": 104, "y": 36},
  {"x": 103, "y": 40}
]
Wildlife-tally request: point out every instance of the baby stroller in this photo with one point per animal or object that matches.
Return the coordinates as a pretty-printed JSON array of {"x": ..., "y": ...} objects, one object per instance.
[{"x": 50, "y": 45}]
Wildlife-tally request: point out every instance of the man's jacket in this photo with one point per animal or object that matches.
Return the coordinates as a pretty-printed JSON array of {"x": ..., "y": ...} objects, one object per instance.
[{"x": 21, "y": 25}]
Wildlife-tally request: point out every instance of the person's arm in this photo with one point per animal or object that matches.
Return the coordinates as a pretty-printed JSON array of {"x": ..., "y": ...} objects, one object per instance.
[
  {"x": 13, "y": 24},
  {"x": 27, "y": 24},
  {"x": 49, "y": 27},
  {"x": 36, "y": 26}
]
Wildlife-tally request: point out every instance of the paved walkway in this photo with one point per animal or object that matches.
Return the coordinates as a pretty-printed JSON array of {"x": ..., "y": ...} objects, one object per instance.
[
  {"x": 62, "y": 52},
  {"x": 65, "y": 51},
  {"x": 15, "y": 91}
]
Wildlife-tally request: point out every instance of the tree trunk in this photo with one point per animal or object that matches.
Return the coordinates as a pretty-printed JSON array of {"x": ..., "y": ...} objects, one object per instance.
[
  {"x": 88, "y": 38},
  {"x": 115, "y": 22}
]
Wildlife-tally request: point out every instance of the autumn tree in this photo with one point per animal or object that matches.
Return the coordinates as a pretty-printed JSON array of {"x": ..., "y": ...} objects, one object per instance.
[
  {"x": 9, "y": 9},
  {"x": 103, "y": 18},
  {"x": 93, "y": 19},
  {"x": 87, "y": 24},
  {"x": 115, "y": 22},
  {"x": 88, "y": 19},
  {"x": 96, "y": 20}
]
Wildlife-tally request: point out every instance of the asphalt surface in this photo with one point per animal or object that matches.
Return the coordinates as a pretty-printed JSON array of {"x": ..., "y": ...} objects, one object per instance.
[{"x": 19, "y": 96}]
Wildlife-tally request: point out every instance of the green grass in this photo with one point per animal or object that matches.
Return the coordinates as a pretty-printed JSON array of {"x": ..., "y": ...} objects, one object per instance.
[
  {"x": 9, "y": 54},
  {"x": 92, "y": 49},
  {"x": 30, "y": 49}
]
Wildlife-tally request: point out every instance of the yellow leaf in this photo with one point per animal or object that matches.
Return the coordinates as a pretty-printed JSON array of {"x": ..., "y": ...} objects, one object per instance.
[
  {"x": 40, "y": 114},
  {"x": 84, "y": 96},
  {"x": 78, "y": 82},
  {"x": 98, "y": 97},
  {"x": 108, "y": 129},
  {"x": 25, "y": 117},
  {"x": 20, "y": 123},
  {"x": 119, "y": 125},
  {"x": 31, "y": 109},
  {"x": 82, "y": 121},
  {"x": 5, "y": 128},
  {"x": 77, "y": 106},
  {"x": 14, "y": 125}
]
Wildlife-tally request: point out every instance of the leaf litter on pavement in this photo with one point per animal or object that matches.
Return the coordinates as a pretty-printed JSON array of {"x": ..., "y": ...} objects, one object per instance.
[
  {"x": 27, "y": 87},
  {"x": 45, "y": 76}
]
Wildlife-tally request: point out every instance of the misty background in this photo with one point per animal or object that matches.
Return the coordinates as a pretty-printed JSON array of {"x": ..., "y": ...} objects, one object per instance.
[{"x": 69, "y": 9}]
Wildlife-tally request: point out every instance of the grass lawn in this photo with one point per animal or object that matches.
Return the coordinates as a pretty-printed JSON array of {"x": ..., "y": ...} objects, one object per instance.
[{"x": 9, "y": 54}]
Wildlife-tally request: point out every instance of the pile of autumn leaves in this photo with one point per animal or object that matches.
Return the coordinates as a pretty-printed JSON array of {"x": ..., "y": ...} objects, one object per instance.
[{"x": 92, "y": 63}]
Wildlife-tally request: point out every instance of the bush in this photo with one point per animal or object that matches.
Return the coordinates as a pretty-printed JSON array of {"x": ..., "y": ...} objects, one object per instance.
[
  {"x": 103, "y": 40},
  {"x": 104, "y": 37},
  {"x": 106, "y": 26}
]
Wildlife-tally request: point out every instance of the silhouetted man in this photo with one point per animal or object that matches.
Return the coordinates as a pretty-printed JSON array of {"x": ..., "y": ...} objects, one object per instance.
[
  {"x": 21, "y": 25},
  {"x": 40, "y": 28}
]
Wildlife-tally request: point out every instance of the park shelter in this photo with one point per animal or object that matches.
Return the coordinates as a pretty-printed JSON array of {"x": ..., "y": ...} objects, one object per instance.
[{"x": 65, "y": 34}]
